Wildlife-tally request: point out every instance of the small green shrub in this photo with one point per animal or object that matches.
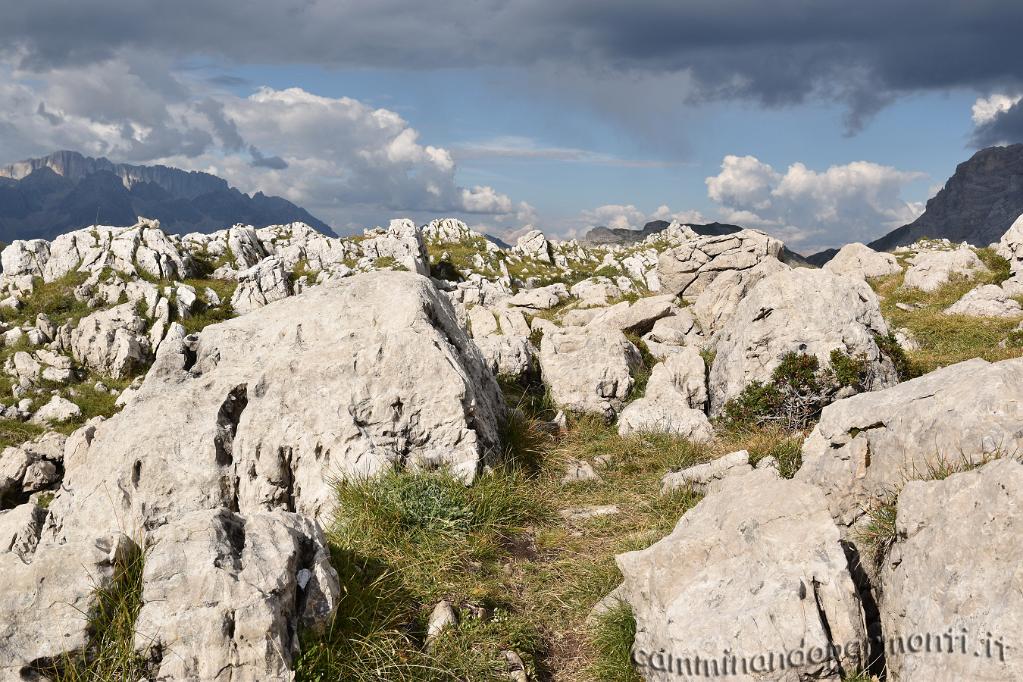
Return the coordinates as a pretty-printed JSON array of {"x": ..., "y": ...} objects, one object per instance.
[
  {"x": 798, "y": 391},
  {"x": 890, "y": 348},
  {"x": 849, "y": 371}
]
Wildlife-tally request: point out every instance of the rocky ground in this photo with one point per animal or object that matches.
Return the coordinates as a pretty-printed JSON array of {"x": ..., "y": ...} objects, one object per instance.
[{"x": 269, "y": 454}]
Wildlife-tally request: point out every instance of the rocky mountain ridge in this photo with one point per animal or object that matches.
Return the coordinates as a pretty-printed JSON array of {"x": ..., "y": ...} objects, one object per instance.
[{"x": 64, "y": 191}]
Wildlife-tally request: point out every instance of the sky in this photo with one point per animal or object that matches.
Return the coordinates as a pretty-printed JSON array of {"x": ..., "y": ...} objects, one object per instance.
[{"x": 820, "y": 122}]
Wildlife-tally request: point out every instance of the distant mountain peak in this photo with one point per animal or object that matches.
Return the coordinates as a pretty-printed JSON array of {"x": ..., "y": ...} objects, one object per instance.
[
  {"x": 63, "y": 191},
  {"x": 976, "y": 205}
]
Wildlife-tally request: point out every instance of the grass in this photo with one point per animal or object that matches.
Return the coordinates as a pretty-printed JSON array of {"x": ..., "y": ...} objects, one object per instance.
[
  {"x": 945, "y": 339},
  {"x": 641, "y": 375},
  {"x": 501, "y": 548},
  {"x": 615, "y": 632},
  {"x": 110, "y": 654},
  {"x": 878, "y": 532},
  {"x": 55, "y": 299}
]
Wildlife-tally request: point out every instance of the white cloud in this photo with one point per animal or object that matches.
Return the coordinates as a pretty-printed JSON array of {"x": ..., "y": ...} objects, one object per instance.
[
  {"x": 858, "y": 201},
  {"x": 987, "y": 109},
  {"x": 345, "y": 161}
]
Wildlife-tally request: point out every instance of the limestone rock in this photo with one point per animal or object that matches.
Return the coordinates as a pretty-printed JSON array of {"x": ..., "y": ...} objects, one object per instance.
[
  {"x": 589, "y": 370},
  {"x": 803, "y": 311},
  {"x": 702, "y": 476},
  {"x": 988, "y": 300},
  {"x": 674, "y": 402},
  {"x": 263, "y": 283},
  {"x": 638, "y": 316},
  {"x": 535, "y": 245},
  {"x": 716, "y": 304},
  {"x": 755, "y": 567},
  {"x": 595, "y": 292},
  {"x": 512, "y": 356},
  {"x": 1010, "y": 247},
  {"x": 20, "y": 528},
  {"x": 224, "y": 595},
  {"x": 688, "y": 269},
  {"x": 112, "y": 342},
  {"x": 44, "y": 603},
  {"x": 264, "y": 411},
  {"x": 930, "y": 269},
  {"x": 482, "y": 322},
  {"x": 541, "y": 298},
  {"x": 861, "y": 261},
  {"x": 57, "y": 410},
  {"x": 955, "y": 569},
  {"x": 867, "y": 445}
]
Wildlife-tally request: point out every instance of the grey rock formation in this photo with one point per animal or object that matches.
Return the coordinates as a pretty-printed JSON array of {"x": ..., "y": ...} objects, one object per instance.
[
  {"x": 702, "y": 477},
  {"x": 511, "y": 356},
  {"x": 929, "y": 269},
  {"x": 638, "y": 316},
  {"x": 859, "y": 260},
  {"x": 589, "y": 370},
  {"x": 265, "y": 282},
  {"x": 716, "y": 304},
  {"x": 226, "y": 459},
  {"x": 988, "y": 300},
  {"x": 867, "y": 445},
  {"x": 688, "y": 269},
  {"x": 112, "y": 342},
  {"x": 675, "y": 399},
  {"x": 802, "y": 311},
  {"x": 755, "y": 567},
  {"x": 953, "y": 577}
]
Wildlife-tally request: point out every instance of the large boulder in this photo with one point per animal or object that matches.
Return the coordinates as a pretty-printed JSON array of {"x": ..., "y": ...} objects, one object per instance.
[
  {"x": 675, "y": 399},
  {"x": 952, "y": 589},
  {"x": 859, "y": 260},
  {"x": 113, "y": 342},
  {"x": 930, "y": 269},
  {"x": 589, "y": 369},
  {"x": 506, "y": 355},
  {"x": 865, "y": 446},
  {"x": 755, "y": 567},
  {"x": 689, "y": 268},
  {"x": 534, "y": 244},
  {"x": 798, "y": 311},
  {"x": 638, "y": 316},
  {"x": 45, "y": 602},
  {"x": 265, "y": 282},
  {"x": 228, "y": 454},
  {"x": 403, "y": 242},
  {"x": 988, "y": 300},
  {"x": 715, "y": 305}
]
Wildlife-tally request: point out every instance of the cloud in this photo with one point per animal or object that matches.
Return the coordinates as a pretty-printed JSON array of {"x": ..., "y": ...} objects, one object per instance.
[
  {"x": 998, "y": 120},
  {"x": 857, "y": 201},
  {"x": 341, "y": 158},
  {"x": 864, "y": 54},
  {"x": 517, "y": 147}
]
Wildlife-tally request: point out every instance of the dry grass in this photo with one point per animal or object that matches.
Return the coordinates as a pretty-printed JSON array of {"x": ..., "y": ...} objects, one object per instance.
[{"x": 945, "y": 339}]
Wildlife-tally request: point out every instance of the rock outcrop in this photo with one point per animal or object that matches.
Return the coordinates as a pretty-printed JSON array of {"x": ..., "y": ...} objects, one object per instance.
[
  {"x": 798, "y": 311},
  {"x": 688, "y": 269},
  {"x": 755, "y": 567},
  {"x": 952, "y": 579},
  {"x": 859, "y": 260},
  {"x": 929, "y": 269},
  {"x": 589, "y": 370},
  {"x": 225, "y": 460},
  {"x": 867, "y": 445}
]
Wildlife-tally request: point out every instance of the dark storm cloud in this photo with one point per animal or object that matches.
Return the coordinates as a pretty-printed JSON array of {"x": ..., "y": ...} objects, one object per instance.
[
  {"x": 261, "y": 161},
  {"x": 1004, "y": 128},
  {"x": 863, "y": 54}
]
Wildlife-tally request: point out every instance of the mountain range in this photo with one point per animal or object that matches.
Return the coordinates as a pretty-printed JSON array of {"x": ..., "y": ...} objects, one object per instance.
[{"x": 47, "y": 196}]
